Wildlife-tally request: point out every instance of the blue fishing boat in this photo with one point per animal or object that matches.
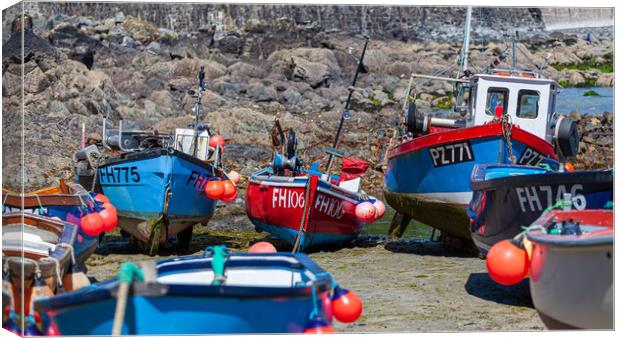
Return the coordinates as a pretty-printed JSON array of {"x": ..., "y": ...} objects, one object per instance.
[
  {"x": 508, "y": 197},
  {"x": 505, "y": 116},
  {"x": 215, "y": 293},
  {"x": 67, "y": 201},
  {"x": 157, "y": 181}
]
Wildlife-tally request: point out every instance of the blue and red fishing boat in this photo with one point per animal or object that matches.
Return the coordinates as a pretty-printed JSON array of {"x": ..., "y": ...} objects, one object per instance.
[
  {"x": 157, "y": 180},
  {"x": 215, "y": 293},
  {"x": 310, "y": 207},
  {"x": 508, "y": 197},
  {"x": 505, "y": 116}
]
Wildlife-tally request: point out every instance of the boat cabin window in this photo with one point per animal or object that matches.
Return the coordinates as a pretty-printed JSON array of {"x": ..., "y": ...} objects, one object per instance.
[
  {"x": 527, "y": 106},
  {"x": 496, "y": 97}
]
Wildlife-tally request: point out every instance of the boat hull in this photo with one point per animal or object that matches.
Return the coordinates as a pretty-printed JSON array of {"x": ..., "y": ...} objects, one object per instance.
[
  {"x": 432, "y": 172},
  {"x": 571, "y": 277},
  {"x": 158, "y": 188},
  {"x": 174, "y": 305},
  {"x": 517, "y": 195},
  {"x": 276, "y": 204}
]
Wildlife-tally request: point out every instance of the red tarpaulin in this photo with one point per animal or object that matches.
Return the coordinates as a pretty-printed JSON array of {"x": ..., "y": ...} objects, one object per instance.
[{"x": 352, "y": 167}]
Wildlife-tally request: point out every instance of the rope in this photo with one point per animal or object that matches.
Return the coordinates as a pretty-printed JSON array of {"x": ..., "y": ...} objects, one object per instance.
[
  {"x": 507, "y": 125},
  {"x": 315, "y": 310},
  {"x": 58, "y": 275},
  {"x": 70, "y": 248},
  {"x": 6, "y": 196},
  {"x": 128, "y": 273},
  {"x": 300, "y": 233},
  {"x": 609, "y": 205},
  {"x": 559, "y": 205},
  {"x": 42, "y": 210},
  {"x": 219, "y": 255}
]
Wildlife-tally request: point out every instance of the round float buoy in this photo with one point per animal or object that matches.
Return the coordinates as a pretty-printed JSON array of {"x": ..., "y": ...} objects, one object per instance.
[
  {"x": 365, "y": 212},
  {"x": 101, "y": 198},
  {"x": 380, "y": 209},
  {"x": 229, "y": 189},
  {"x": 92, "y": 224},
  {"x": 230, "y": 199},
  {"x": 262, "y": 247},
  {"x": 507, "y": 263},
  {"x": 328, "y": 311},
  {"x": 234, "y": 176},
  {"x": 569, "y": 167},
  {"x": 216, "y": 140},
  {"x": 318, "y": 326},
  {"x": 110, "y": 206},
  {"x": 347, "y": 306},
  {"x": 110, "y": 218},
  {"x": 214, "y": 189}
]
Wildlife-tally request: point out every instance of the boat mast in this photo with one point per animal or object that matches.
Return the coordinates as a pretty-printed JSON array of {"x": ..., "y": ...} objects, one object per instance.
[
  {"x": 465, "y": 49},
  {"x": 201, "y": 90}
]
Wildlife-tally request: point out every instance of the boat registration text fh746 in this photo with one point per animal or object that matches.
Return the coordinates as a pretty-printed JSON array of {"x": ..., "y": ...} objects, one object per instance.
[{"x": 537, "y": 199}]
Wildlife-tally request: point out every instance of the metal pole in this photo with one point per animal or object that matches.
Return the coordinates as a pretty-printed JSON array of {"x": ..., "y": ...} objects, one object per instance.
[
  {"x": 466, "y": 40},
  {"x": 514, "y": 52},
  {"x": 345, "y": 113},
  {"x": 201, "y": 88}
]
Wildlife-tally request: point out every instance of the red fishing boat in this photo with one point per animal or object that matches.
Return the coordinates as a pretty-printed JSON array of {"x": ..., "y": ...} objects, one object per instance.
[{"x": 311, "y": 207}]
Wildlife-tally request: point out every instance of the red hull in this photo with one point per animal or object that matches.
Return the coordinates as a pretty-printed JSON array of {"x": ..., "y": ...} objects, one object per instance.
[{"x": 281, "y": 204}]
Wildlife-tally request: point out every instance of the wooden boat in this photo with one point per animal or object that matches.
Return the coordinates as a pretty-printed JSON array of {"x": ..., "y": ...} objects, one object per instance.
[
  {"x": 308, "y": 207},
  {"x": 507, "y": 118},
  {"x": 157, "y": 180},
  {"x": 202, "y": 294},
  {"x": 571, "y": 271},
  {"x": 506, "y": 197},
  {"x": 67, "y": 201},
  {"x": 35, "y": 249}
]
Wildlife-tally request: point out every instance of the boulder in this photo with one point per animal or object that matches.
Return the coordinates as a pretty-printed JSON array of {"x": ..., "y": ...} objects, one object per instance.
[{"x": 261, "y": 93}]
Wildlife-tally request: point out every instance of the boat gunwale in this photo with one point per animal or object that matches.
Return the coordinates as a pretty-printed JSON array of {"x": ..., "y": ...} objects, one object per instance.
[
  {"x": 488, "y": 130},
  {"x": 155, "y": 153},
  {"x": 27, "y": 201},
  {"x": 479, "y": 183},
  {"x": 565, "y": 241},
  {"x": 108, "y": 289}
]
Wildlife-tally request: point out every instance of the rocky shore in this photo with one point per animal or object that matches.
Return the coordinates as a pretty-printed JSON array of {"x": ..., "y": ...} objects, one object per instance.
[{"x": 80, "y": 69}]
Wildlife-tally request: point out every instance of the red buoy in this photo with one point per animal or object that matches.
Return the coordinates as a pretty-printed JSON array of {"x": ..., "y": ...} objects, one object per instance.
[
  {"x": 380, "y": 209},
  {"x": 507, "y": 263},
  {"x": 318, "y": 326},
  {"x": 365, "y": 212},
  {"x": 92, "y": 224},
  {"x": 262, "y": 247},
  {"x": 229, "y": 189},
  {"x": 102, "y": 198},
  {"x": 347, "y": 306},
  {"x": 110, "y": 219},
  {"x": 499, "y": 111},
  {"x": 230, "y": 199},
  {"x": 569, "y": 167},
  {"x": 216, "y": 140},
  {"x": 110, "y": 206},
  {"x": 214, "y": 189}
]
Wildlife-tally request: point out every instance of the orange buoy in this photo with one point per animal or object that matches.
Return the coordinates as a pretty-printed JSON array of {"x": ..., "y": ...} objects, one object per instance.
[
  {"x": 110, "y": 218},
  {"x": 92, "y": 224},
  {"x": 229, "y": 189},
  {"x": 216, "y": 140},
  {"x": 365, "y": 212},
  {"x": 380, "y": 209},
  {"x": 214, "y": 189},
  {"x": 507, "y": 264},
  {"x": 101, "y": 198},
  {"x": 569, "y": 167},
  {"x": 262, "y": 247},
  {"x": 347, "y": 306},
  {"x": 230, "y": 199},
  {"x": 318, "y": 326},
  {"x": 328, "y": 310},
  {"x": 234, "y": 176},
  {"x": 110, "y": 206}
]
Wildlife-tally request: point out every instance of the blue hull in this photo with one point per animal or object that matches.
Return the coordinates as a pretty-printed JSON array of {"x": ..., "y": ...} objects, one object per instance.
[
  {"x": 309, "y": 239},
  {"x": 186, "y": 308},
  {"x": 156, "y": 184},
  {"x": 508, "y": 197},
  {"x": 435, "y": 190}
]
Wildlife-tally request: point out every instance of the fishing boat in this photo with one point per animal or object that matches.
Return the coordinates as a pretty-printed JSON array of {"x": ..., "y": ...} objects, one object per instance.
[
  {"x": 507, "y": 197},
  {"x": 157, "y": 180},
  {"x": 37, "y": 252},
  {"x": 309, "y": 207},
  {"x": 507, "y": 116},
  {"x": 214, "y": 293},
  {"x": 571, "y": 269},
  {"x": 67, "y": 201}
]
